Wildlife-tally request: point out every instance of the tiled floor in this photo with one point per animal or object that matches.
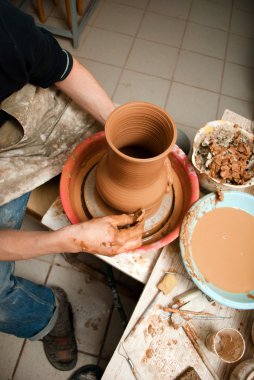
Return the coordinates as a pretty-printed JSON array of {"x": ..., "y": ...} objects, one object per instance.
[
  {"x": 192, "y": 57},
  {"x": 97, "y": 324}
]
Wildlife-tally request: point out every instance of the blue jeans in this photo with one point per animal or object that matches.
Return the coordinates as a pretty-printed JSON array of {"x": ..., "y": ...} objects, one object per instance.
[{"x": 27, "y": 310}]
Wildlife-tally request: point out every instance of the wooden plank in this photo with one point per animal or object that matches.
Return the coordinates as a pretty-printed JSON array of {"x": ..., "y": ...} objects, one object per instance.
[
  {"x": 171, "y": 349},
  {"x": 42, "y": 198}
]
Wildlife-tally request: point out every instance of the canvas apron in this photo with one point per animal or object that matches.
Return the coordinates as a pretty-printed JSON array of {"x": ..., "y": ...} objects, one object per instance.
[{"x": 34, "y": 145}]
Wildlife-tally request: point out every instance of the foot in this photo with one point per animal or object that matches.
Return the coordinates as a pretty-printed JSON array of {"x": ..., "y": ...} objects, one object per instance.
[
  {"x": 60, "y": 345},
  {"x": 87, "y": 372}
]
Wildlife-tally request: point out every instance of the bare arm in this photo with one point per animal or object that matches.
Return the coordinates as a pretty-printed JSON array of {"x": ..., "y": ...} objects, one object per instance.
[
  {"x": 82, "y": 87},
  {"x": 100, "y": 235}
]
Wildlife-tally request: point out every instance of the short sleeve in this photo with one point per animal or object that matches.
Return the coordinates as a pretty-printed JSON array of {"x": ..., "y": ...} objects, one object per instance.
[
  {"x": 50, "y": 63},
  {"x": 32, "y": 54}
]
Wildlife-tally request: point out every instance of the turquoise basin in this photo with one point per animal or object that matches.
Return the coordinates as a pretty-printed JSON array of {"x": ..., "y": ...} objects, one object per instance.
[{"x": 206, "y": 204}]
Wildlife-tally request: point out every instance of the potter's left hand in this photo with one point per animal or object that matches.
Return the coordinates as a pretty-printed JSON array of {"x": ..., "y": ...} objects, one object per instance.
[{"x": 108, "y": 236}]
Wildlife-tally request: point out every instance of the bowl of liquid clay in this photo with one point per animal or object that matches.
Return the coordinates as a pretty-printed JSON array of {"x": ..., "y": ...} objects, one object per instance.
[{"x": 216, "y": 242}]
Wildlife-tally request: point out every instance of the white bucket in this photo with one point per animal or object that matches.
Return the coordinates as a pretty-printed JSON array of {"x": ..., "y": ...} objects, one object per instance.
[{"x": 205, "y": 180}]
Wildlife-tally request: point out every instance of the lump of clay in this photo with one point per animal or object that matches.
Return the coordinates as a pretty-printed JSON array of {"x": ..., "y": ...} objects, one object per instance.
[{"x": 168, "y": 283}]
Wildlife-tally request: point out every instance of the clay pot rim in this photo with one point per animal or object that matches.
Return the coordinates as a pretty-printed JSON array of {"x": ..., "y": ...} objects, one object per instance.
[{"x": 142, "y": 105}]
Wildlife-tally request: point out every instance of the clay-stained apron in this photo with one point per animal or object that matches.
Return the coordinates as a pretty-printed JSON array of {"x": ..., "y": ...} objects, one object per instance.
[{"x": 53, "y": 125}]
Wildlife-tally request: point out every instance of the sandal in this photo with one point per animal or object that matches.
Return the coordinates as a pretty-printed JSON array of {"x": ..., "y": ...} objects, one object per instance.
[
  {"x": 87, "y": 372},
  {"x": 60, "y": 344}
]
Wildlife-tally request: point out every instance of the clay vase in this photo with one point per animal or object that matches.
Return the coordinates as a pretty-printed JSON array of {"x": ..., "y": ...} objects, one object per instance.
[{"x": 135, "y": 171}]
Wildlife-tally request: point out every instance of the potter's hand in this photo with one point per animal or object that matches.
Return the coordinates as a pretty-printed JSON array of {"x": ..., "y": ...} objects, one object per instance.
[{"x": 108, "y": 236}]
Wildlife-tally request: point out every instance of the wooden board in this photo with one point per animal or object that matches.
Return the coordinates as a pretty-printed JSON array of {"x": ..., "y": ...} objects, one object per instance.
[{"x": 168, "y": 360}]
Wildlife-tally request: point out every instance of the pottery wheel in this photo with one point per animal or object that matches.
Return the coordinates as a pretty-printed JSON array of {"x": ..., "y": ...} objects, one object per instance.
[
  {"x": 94, "y": 204},
  {"x": 81, "y": 201}
]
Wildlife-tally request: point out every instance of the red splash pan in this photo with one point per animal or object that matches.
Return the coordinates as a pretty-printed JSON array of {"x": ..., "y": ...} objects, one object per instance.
[{"x": 86, "y": 155}]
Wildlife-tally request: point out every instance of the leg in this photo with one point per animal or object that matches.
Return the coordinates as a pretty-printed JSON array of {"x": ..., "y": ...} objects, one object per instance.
[
  {"x": 35, "y": 303},
  {"x": 40, "y": 9},
  {"x": 79, "y": 7},
  {"x": 68, "y": 12},
  {"x": 31, "y": 311}
]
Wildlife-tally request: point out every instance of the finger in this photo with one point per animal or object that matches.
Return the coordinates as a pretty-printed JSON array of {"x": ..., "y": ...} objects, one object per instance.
[
  {"x": 124, "y": 219},
  {"x": 127, "y": 234},
  {"x": 131, "y": 244}
]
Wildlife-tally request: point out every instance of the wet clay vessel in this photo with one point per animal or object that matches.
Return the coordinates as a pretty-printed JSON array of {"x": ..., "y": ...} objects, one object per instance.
[{"x": 136, "y": 172}]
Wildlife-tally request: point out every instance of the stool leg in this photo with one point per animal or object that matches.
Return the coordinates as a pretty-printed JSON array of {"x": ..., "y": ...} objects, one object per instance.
[
  {"x": 41, "y": 14},
  {"x": 68, "y": 11},
  {"x": 79, "y": 7}
]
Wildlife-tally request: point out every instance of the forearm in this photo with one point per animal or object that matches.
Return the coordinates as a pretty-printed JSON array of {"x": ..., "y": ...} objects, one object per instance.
[
  {"x": 106, "y": 236},
  {"x": 21, "y": 245},
  {"x": 82, "y": 87}
]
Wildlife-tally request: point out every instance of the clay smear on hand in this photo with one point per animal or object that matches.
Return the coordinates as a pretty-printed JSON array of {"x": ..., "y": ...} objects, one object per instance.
[{"x": 222, "y": 248}]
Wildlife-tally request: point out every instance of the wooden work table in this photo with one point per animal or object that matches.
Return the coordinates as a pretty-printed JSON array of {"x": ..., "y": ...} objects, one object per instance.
[
  {"x": 149, "y": 268},
  {"x": 173, "y": 350}
]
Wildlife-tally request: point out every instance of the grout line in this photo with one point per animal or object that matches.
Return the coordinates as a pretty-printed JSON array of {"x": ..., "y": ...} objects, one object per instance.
[
  {"x": 168, "y": 45},
  {"x": 176, "y": 47},
  {"x": 176, "y": 81},
  {"x": 130, "y": 49},
  {"x": 101, "y": 4},
  {"x": 183, "y": 20},
  {"x": 161, "y": 14},
  {"x": 224, "y": 63},
  {"x": 18, "y": 360},
  {"x": 130, "y": 6},
  {"x": 88, "y": 353},
  {"x": 48, "y": 274},
  {"x": 178, "y": 55}
]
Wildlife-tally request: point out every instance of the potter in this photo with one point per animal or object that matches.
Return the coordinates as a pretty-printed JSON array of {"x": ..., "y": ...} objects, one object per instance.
[{"x": 135, "y": 172}]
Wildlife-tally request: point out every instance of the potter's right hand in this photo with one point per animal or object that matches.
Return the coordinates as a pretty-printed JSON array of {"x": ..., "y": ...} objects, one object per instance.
[{"x": 108, "y": 236}]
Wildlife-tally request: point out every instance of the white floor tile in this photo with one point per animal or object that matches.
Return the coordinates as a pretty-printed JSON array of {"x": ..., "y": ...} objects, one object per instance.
[
  {"x": 238, "y": 82},
  {"x": 67, "y": 44},
  {"x": 205, "y": 40},
  {"x": 33, "y": 270},
  {"x": 224, "y": 3},
  {"x": 152, "y": 58},
  {"x": 108, "y": 47},
  {"x": 10, "y": 347},
  {"x": 135, "y": 86},
  {"x": 60, "y": 261},
  {"x": 239, "y": 106},
  {"x": 119, "y": 18},
  {"x": 209, "y": 13},
  {"x": 140, "y": 4},
  {"x": 105, "y": 74},
  {"x": 240, "y": 50},
  {"x": 34, "y": 365},
  {"x": 91, "y": 302},
  {"x": 242, "y": 23},
  {"x": 199, "y": 70},
  {"x": 244, "y": 5},
  {"x": 174, "y": 8},
  {"x": 192, "y": 106},
  {"x": 162, "y": 29}
]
